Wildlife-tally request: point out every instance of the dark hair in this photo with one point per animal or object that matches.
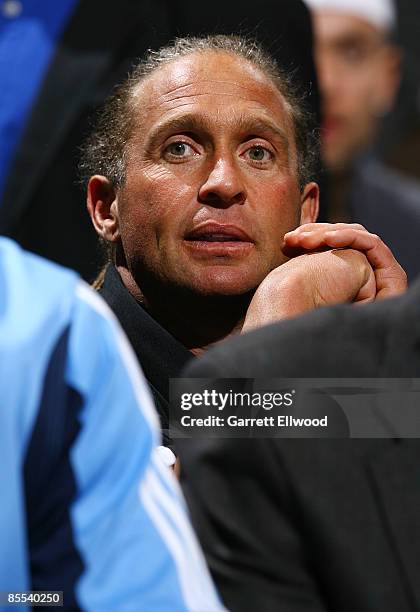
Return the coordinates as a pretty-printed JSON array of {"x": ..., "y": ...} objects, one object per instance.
[{"x": 105, "y": 150}]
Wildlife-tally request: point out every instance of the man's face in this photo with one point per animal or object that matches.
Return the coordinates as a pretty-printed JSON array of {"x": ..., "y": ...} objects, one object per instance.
[
  {"x": 211, "y": 180},
  {"x": 358, "y": 75}
]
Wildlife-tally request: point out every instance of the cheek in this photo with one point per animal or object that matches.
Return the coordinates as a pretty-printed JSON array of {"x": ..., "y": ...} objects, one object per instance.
[
  {"x": 153, "y": 204},
  {"x": 147, "y": 192},
  {"x": 280, "y": 207},
  {"x": 361, "y": 94},
  {"x": 278, "y": 212}
]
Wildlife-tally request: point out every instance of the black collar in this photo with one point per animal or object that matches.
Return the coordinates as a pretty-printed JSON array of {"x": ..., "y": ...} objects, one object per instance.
[{"x": 161, "y": 356}]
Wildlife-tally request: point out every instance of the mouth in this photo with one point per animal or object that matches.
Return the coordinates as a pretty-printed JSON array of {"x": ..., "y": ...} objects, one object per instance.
[
  {"x": 218, "y": 240},
  {"x": 214, "y": 238},
  {"x": 217, "y": 233}
]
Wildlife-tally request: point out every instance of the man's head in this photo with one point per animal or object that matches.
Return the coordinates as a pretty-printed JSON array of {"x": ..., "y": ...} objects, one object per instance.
[
  {"x": 358, "y": 72},
  {"x": 200, "y": 163}
]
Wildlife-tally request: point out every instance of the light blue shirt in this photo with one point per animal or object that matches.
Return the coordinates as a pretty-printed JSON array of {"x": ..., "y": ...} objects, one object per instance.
[{"x": 65, "y": 366}]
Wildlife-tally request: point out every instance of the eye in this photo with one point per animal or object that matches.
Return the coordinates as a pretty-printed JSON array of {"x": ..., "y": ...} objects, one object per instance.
[
  {"x": 353, "y": 55},
  {"x": 355, "y": 52},
  {"x": 259, "y": 155},
  {"x": 178, "y": 151}
]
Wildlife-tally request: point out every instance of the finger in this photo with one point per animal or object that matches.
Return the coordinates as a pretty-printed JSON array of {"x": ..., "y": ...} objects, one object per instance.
[
  {"x": 361, "y": 240},
  {"x": 315, "y": 227},
  {"x": 359, "y": 272},
  {"x": 391, "y": 278},
  {"x": 377, "y": 252},
  {"x": 311, "y": 236},
  {"x": 315, "y": 240},
  {"x": 295, "y": 251}
]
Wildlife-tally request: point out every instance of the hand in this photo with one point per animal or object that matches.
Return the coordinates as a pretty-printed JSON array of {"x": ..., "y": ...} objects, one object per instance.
[
  {"x": 309, "y": 281},
  {"x": 362, "y": 273},
  {"x": 390, "y": 277}
]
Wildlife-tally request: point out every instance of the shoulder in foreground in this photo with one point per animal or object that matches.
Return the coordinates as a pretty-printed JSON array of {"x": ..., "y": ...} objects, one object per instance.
[{"x": 341, "y": 340}]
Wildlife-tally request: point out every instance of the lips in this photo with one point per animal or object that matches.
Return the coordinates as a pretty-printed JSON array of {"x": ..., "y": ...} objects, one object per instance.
[
  {"x": 218, "y": 242},
  {"x": 215, "y": 232}
]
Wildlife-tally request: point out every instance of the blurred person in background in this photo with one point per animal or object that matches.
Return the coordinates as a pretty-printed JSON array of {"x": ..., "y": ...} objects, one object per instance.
[
  {"x": 87, "y": 506},
  {"x": 399, "y": 140},
  {"x": 359, "y": 73},
  {"x": 57, "y": 65}
]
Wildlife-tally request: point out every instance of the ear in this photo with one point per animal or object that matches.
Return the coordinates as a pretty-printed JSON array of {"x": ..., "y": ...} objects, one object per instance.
[
  {"x": 309, "y": 203},
  {"x": 102, "y": 204},
  {"x": 388, "y": 79}
]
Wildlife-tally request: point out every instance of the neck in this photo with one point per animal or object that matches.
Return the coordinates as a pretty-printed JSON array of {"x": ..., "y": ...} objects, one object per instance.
[{"x": 197, "y": 321}]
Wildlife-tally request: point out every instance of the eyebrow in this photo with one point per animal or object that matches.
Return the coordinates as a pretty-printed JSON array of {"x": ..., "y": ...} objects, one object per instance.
[
  {"x": 263, "y": 126},
  {"x": 199, "y": 124},
  {"x": 369, "y": 41}
]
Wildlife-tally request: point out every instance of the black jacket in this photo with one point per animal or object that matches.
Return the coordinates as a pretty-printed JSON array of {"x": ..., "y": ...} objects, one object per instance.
[{"x": 313, "y": 525}]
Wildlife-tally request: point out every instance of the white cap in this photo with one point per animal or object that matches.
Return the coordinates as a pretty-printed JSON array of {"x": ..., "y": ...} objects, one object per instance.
[{"x": 380, "y": 13}]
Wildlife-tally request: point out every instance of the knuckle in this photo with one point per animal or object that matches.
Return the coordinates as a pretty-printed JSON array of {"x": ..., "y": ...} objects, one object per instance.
[
  {"x": 403, "y": 274},
  {"x": 377, "y": 240}
]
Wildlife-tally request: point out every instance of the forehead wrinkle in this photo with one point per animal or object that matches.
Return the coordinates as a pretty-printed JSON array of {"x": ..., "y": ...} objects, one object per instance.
[
  {"x": 168, "y": 96},
  {"x": 188, "y": 97}
]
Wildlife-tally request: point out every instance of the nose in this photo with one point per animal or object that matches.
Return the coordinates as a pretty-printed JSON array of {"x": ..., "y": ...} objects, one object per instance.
[{"x": 223, "y": 186}]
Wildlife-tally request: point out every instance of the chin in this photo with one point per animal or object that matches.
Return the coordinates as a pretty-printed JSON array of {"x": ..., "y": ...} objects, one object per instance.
[{"x": 224, "y": 283}]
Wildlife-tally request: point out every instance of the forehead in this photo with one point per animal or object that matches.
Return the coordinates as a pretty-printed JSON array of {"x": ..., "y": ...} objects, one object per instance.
[
  {"x": 218, "y": 85},
  {"x": 335, "y": 26}
]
